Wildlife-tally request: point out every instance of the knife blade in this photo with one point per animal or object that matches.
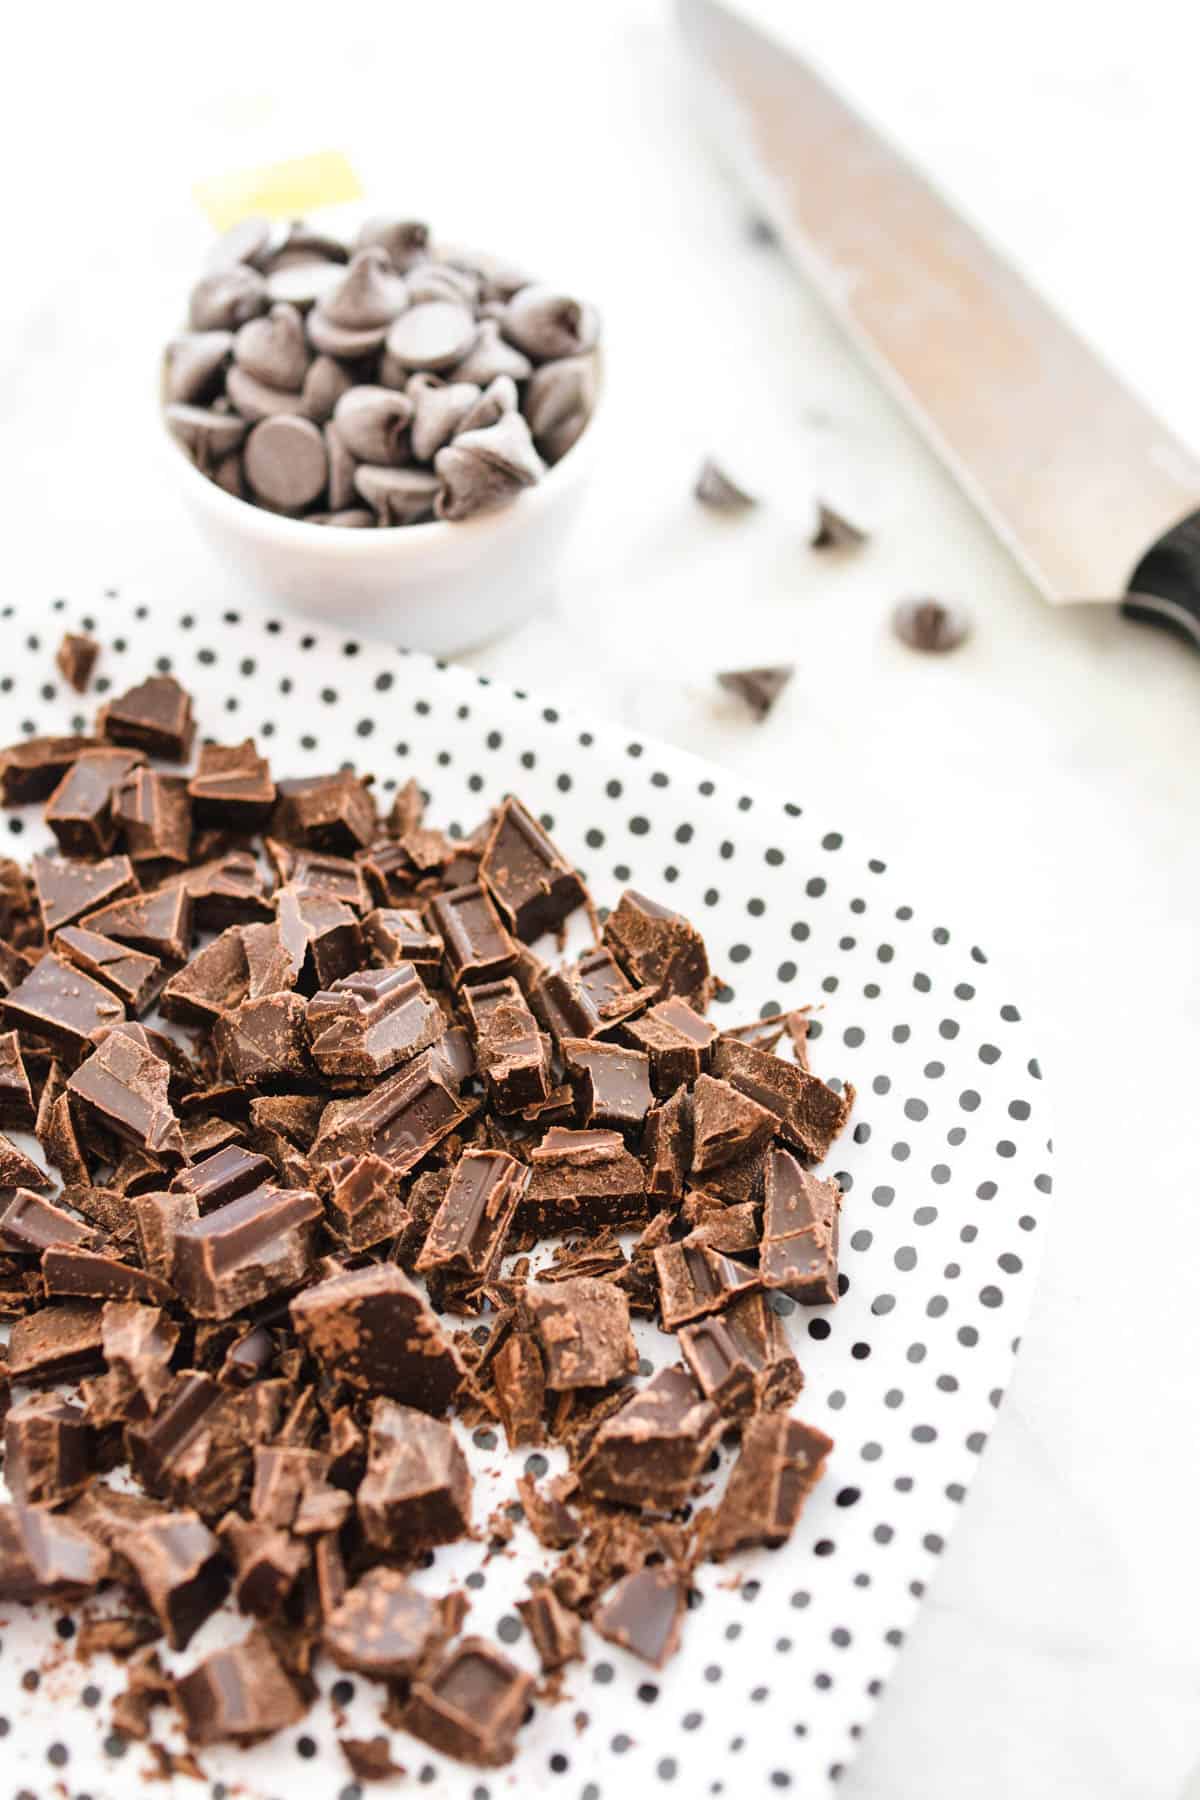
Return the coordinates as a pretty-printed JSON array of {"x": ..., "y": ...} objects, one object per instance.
[{"x": 1088, "y": 489}]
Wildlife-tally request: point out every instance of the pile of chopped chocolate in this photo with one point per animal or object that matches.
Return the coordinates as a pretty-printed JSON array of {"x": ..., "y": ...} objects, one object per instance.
[{"x": 362, "y": 1105}]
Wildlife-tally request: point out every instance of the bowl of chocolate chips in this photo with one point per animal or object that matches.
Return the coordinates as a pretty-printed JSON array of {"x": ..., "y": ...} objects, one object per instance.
[{"x": 385, "y": 431}]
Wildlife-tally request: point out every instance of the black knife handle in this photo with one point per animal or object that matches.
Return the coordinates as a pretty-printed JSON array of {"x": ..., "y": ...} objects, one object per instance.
[{"x": 1165, "y": 586}]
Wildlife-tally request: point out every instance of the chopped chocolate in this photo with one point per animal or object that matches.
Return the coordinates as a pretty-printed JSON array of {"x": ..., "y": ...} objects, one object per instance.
[
  {"x": 67, "y": 888},
  {"x": 694, "y": 1281},
  {"x": 652, "y": 1452},
  {"x": 46, "y": 1451},
  {"x": 17, "y": 1111},
  {"x": 31, "y": 770},
  {"x": 614, "y": 1083},
  {"x": 154, "y": 716},
  {"x": 714, "y": 488},
  {"x": 46, "y": 1556},
  {"x": 139, "y": 1342},
  {"x": 56, "y": 1131},
  {"x": 133, "y": 977},
  {"x": 76, "y": 658},
  {"x": 582, "y": 1178},
  {"x": 80, "y": 810},
  {"x": 659, "y": 948},
  {"x": 556, "y": 1633},
  {"x": 267, "y": 1564},
  {"x": 274, "y": 958},
  {"x": 214, "y": 982},
  {"x": 384, "y": 1627},
  {"x": 246, "y": 1250},
  {"x": 263, "y": 1042},
  {"x": 810, "y": 1114},
  {"x": 370, "y": 1759},
  {"x": 154, "y": 815},
  {"x": 395, "y": 935},
  {"x": 116, "y": 1634},
  {"x": 123, "y": 1087},
  {"x": 227, "y": 890},
  {"x": 232, "y": 786},
  {"x": 158, "y": 923},
  {"x": 548, "y": 1516},
  {"x": 283, "y": 1474},
  {"x": 327, "y": 812},
  {"x": 228, "y": 1175},
  {"x": 178, "y": 1566},
  {"x": 509, "y": 1046},
  {"x": 733, "y": 1230},
  {"x": 239, "y": 1695},
  {"x": 780, "y": 1462},
  {"x": 800, "y": 1232},
  {"x": 323, "y": 930},
  {"x": 363, "y": 1203},
  {"x": 28, "y": 1224},
  {"x": 370, "y": 1021},
  {"x": 376, "y": 1329},
  {"x": 319, "y": 872},
  {"x": 57, "y": 1343},
  {"x": 583, "y": 1328},
  {"x": 833, "y": 531},
  {"x": 401, "y": 1120},
  {"x": 588, "y": 997},
  {"x": 667, "y": 1145},
  {"x": 18, "y": 1170},
  {"x": 644, "y": 1613},
  {"x": 468, "y": 1230},
  {"x": 533, "y": 885},
  {"x": 71, "y": 1272},
  {"x": 678, "y": 1042},
  {"x": 158, "y": 1217},
  {"x": 726, "y": 1125},
  {"x": 417, "y": 1488},
  {"x": 741, "y": 1357},
  {"x": 478, "y": 948},
  {"x": 758, "y": 688},
  {"x": 519, "y": 1383},
  {"x": 104, "y": 1207},
  {"x": 471, "y": 1705}
]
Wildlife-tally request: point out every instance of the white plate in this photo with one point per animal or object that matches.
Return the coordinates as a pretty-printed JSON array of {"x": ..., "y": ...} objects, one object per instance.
[{"x": 944, "y": 1167}]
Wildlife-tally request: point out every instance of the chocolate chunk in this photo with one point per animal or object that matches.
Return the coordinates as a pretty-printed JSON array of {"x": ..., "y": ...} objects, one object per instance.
[
  {"x": 519, "y": 1381},
  {"x": 555, "y": 1632},
  {"x": 614, "y": 1083},
  {"x": 320, "y": 872},
  {"x": 834, "y": 531},
  {"x": 780, "y": 1462},
  {"x": 678, "y": 1042},
  {"x": 400, "y": 1121},
  {"x": 363, "y": 1202},
  {"x": 659, "y": 948},
  {"x": 275, "y": 958},
  {"x": 532, "y": 884},
  {"x": 76, "y": 658},
  {"x": 257, "y": 1245},
  {"x": 133, "y": 977},
  {"x": 57, "y": 1343},
  {"x": 652, "y": 1452},
  {"x": 46, "y": 1556},
  {"x": 158, "y": 1216},
  {"x": 478, "y": 948},
  {"x": 582, "y": 1178},
  {"x": 417, "y": 1489},
  {"x": 583, "y": 1328},
  {"x": 213, "y": 982},
  {"x": 810, "y": 1114},
  {"x": 267, "y": 1565},
  {"x": 644, "y": 1613},
  {"x": 328, "y": 929},
  {"x": 549, "y": 1518},
  {"x": 16, "y": 1169},
  {"x": 72, "y": 1272},
  {"x": 32, "y": 769},
  {"x": 154, "y": 716},
  {"x": 178, "y": 1566},
  {"x": 61, "y": 1004},
  {"x": 239, "y": 1695},
  {"x": 124, "y": 1088},
  {"x": 394, "y": 935},
  {"x": 230, "y": 1174},
  {"x": 717, "y": 489},
  {"x": 741, "y": 1357},
  {"x": 377, "y": 1330},
  {"x": 384, "y": 1627},
  {"x": 156, "y": 1445},
  {"x": 733, "y": 1230},
  {"x": 508, "y": 1044},
  {"x": 667, "y": 1145},
  {"x": 800, "y": 1232},
  {"x": 726, "y": 1125},
  {"x": 232, "y": 786},
  {"x": 758, "y": 688},
  {"x": 326, "y": 812},
  {"x": 282, "y": 1477},
  {"x": 158, "y": 923},
  {"x": 472, "y": 1705},
  {"x": 694, "y": 1281},
  {"x": 106, "y": 1208},
  {"x": 154, "y": 815},
  {"x": 80, "y": 810},
  {"x": 28, "y": 1224},
  {"x": 467, "y": 1234},
  {"x": 17, "y": 1110},
  {"x": 139, "y": 1342},
  {"x": 67, "y": 889},
  {"x": 931, "y": 625},
  {"x": 263, "y": 1042},
  {"x": 370, "y": 1021},
  {"x": 47, "y": 1448},
  {"x": 370, "y": 1759},
  {"x": 227, "y": 890}
]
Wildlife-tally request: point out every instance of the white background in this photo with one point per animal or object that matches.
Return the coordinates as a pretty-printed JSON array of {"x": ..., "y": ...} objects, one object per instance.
[{"x": 1041, "y": 782}]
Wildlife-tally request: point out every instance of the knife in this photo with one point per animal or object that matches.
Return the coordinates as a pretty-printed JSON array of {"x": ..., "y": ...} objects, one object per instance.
[{"x": 1090, "y": 492}]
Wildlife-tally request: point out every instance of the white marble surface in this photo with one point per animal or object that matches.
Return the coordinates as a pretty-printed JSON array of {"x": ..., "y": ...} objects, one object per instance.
[{"x": 1041, "y": 782}]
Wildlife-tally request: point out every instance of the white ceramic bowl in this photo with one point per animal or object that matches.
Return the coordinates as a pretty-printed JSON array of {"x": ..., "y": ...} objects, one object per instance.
[{"x": 438, "y": 587}]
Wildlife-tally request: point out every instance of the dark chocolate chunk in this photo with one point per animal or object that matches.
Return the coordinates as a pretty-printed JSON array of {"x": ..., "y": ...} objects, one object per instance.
[
  {"x": 263, "y": 1042},
  {"x": 472, "y": 1705},
  {"x": 556, "y": 1633},
  {"x": 47, "y": 1448},
  {"x": 780, "y": 1462},
  {"x": 228, "y": 890},
  {"x": 72, "y": 1272},
  {"x": 370, "y": 1759},
  {"x": 583, "y": 1178},
  {"x": 158, "y": 1216},
  {"x": 694, "y": 1281},
  {"x": 400, "y": 1121},
  {"x": 644, "y": 1613},
  {"x": 239, "y": 1695},
  {"x": 733, "y": 1230},
  {"x": 326, "y": 812},
  {"x": 533, "y": 885},
  {"x": 32, "y": 769},
  {"x": 67, "y": 888},
  {"x": 155, "y": 716},
  {"x": 123, "y": 1087},
  {"x": 678, "y": 1042},
  {"x": 17, "y": 1111},
  {"x": 275, "y": 957},
  {"x": 384, "y": 1627},
  {"x": 46, "y": 1556},
  {"x": 363, "y": 1201},
  {"x": 614, "y": 1083},
  {"x": 726, "y": 1125},
  {"x": 57, "y": 1343},
  {"x": 232, "y": 786},
  {"x": 323, "y": 930},
  {"x": 76, "y": 658},
  {"x": 159, "y": 923},
  {"x": 652, "y": 1452},
  {"x": 519, "y": 1381},
  {"x": 395, "y": 935},
  {"x": 139, "y": 1342},
  {"x": 267, "y": 1564},
  {"x": 154, "y": 815},
  {"x": 810, "y": 1114},
  {"x": 659, "y": 948},
  {"x": 667, "y": 1145},
  {"x": 178, "y": 1565},
  {"x": 283, "y": 1474},
  {"x": 588, "y": 997},
  {"x": 376, "y": 1329},
  {"x": 741, "y": 1357},
  {"x": 417, "y": 1488},
  {"x": 759, "y": 688},
  {"x": 18, "y": 1170},
  {"x": 28, "y": 1224},
  {"x": 834, "y": 531},
  {"x": 214, "y": 982},
  {"x": 246, "y": 1250},
  {"x": 134, "y": 977},
  {"x": 231, "y": 1173},
  {"x": 370, "y": 1021},
  {"x": 583, "y": 1328},
  {"x": 548, "y": 1516},
  {"x": 508, "y": 1044},
  {"x": 80, "y": 810},
  {"x": 930, "y": 625},
  {"x": 478, "y": 948},
  {"x": 320, "y": 872},
  {"x": 800, "y": 1232},
  {"x": 466, "y": 1237}
]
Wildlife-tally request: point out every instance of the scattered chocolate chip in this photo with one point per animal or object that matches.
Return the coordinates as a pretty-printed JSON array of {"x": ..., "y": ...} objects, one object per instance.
[
  {"x": 759, "y": 688},
  {"x": 930, "y": 625},
  {"x": 720, "y": 491},
  {"x": 834, "y": 531}
]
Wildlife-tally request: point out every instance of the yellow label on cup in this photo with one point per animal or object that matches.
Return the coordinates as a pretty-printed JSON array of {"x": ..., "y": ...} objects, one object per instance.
[{"x": 282, "y": 190}]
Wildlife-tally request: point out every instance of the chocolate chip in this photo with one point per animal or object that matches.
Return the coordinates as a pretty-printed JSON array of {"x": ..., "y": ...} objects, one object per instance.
[
  {"x": 285, "y": 462},
  {"x": 759, "y": 688},
  {"x": 930, "y": 625}
]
